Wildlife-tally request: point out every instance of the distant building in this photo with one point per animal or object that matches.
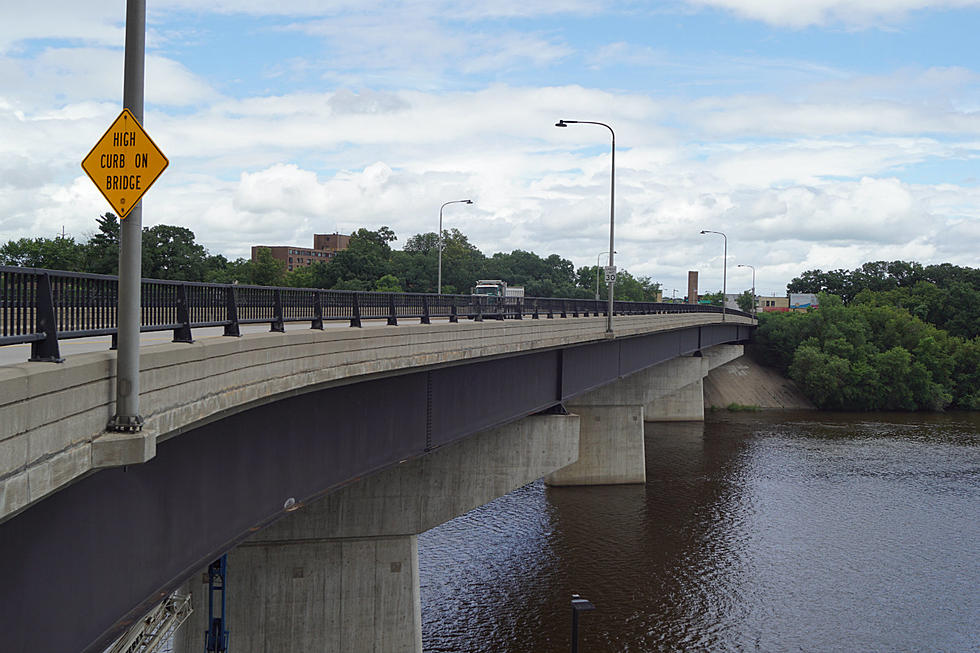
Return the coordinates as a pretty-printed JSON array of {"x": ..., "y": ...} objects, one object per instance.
[
  {"x": 772, "y": 304},
  {"x": 325, "y": 246}
]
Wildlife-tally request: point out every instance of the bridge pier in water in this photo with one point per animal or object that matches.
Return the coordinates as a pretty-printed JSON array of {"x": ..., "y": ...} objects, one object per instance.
[
  {"x": 611, "y": 435},
  {"x": 341, "y": 573}
]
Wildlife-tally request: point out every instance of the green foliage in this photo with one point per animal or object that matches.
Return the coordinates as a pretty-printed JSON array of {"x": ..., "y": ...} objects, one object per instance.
[
  {"x": 50, "y": 253},
  {"x": 944, "y": 295},
  {"x": 746, "y": 301},
  {"x": 101, "y": 252},
  {"x": 871, "y": 355},
  {"x": 712, "y": 298},
  {"x": 171, "y": 253},
  {"x": 742, "y": 408},
  {"x": 388, "y": 283},
  {"x": 266, "y": 270}
]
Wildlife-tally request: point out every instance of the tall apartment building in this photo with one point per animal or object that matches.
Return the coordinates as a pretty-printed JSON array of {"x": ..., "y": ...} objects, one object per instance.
[{"x": 325, "y": 246}]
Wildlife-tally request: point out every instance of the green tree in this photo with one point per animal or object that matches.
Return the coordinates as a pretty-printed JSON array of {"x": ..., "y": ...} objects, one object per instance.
[
  {"x": 746, "y": 301},
  {"x": 49, "y": 253},
  {"x": 266, "y": 270},
  {"x": 170, "y": 252},
  {"x": 101, "y": 252},
  {"x": 365, "y": 260},
  {"x": 388, "y": 283}
]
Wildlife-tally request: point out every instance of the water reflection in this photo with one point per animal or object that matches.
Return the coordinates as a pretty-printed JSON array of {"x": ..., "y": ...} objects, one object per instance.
[{"x": 770, "y": 533}]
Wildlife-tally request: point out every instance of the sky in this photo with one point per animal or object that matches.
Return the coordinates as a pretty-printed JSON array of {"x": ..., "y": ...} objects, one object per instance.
[{"x": 813, "y": 133}]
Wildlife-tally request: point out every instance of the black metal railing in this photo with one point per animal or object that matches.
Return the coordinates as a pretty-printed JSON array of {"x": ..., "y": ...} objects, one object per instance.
[{"x": 41, "y": 307}]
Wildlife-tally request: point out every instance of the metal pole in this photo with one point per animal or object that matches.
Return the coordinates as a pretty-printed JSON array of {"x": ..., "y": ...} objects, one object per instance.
[
  {"x": 724, "y": 278},
  {"x": 612, "y": 209},
  {"x": 745, "y": 265},
  {"x": 574, "y": 630},
  {"x": 127, "y": 417},
  {"x": 724, "y": 271},
  {"x": 439, "y": 282},
  {"x": 612, "y": 212},
  {"x": 597, "y": 274}
]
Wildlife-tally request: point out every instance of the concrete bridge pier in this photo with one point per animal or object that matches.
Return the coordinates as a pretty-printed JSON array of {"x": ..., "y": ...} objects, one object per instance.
[
  {"x": 611, "y": 436},
  {"x": 341, "y": 574},
  {"x": 685, "y": 403}
]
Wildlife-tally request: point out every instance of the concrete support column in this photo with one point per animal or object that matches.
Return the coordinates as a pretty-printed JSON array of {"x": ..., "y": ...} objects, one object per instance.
[
  {"x": 684, "y": 405},
  {"x": 340, "y": 575},
  {"x": 317, "y": 595},
  {"x": 610, "y": 448}
]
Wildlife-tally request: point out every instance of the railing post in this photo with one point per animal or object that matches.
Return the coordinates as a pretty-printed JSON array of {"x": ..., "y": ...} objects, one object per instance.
[
  {"x": 45, "y": 350},
  {"x": 425, "y": 310},
  {"x": 355, "y": 318},
  {"x": 392, "y": 315},
  {"x": 317, "y": 311},
  {"x": 479, "y": 309},
  {"x": 453, "y": 316},
  {"x": 534, "y": 315},
  {"x": 231, "y": 313},
  {"x": 551, "y": 309},
  {"x": 501, "y": 307},
  {"x": 520, "y": 308},
  {"x": 575, "y": 303},
  {"x": 277, "y": 324},
  {"x": 564, "y": 309},
  {"x": 183, "y": 333}
]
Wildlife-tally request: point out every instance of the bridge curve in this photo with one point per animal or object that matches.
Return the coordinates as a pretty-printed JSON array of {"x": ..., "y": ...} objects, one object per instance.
[{"x": 266, "y": 422}]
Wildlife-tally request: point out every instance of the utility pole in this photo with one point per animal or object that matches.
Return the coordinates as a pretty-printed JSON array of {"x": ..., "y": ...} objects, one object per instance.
[{"x": 127, "y": 416}]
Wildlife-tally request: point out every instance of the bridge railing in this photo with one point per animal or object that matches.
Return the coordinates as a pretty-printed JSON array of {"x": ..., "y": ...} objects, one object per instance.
[{"x": 41, "y": 307}]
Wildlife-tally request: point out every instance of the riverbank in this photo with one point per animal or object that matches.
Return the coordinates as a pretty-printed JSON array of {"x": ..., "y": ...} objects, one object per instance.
[{"x": 748, "y": 383}]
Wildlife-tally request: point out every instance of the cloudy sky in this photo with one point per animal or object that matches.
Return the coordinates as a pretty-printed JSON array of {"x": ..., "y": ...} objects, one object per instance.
[{"x": 814, "y": 133}]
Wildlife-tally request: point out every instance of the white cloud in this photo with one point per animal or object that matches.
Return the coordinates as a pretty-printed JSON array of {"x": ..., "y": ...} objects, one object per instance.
[{"x": 853, "y": 13}]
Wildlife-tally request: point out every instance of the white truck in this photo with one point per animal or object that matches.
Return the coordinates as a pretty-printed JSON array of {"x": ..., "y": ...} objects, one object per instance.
[{"x": 497, "y": 288}]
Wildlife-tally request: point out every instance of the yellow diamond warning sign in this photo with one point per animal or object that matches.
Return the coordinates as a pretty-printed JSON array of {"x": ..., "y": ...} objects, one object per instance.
[{"x": 124, "y": 163}]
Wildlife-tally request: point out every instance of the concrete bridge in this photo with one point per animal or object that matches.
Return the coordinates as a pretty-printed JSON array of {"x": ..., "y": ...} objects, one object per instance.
[{"x": 316, "y": 457}]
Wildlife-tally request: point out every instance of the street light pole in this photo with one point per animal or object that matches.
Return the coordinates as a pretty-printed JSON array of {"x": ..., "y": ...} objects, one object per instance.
[
  {"x": 127, "y": 417},
  {"x": 439, "y": 283},
  {"x": 597, "y": 274},
  {"x": 724, "y": 271},
  {"x": 612, "y": 209},
  {"x": 754, "y": 301}
]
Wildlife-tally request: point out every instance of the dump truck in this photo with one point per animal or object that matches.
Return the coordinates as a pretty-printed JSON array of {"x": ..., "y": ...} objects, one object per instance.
[{"x": 497, "y": 288}]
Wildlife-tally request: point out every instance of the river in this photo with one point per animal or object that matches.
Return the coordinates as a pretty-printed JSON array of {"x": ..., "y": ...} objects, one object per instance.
[{"x": 775, "y": 531}]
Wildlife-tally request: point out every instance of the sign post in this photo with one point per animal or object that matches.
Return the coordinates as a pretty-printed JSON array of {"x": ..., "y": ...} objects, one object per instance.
[{"x": 123, "y": 164}]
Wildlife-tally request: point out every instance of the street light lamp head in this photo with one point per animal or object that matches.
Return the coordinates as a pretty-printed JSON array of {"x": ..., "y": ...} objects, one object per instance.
[
  {"x": 561, "y": 123},
  {"x": 468, "y": 201},
  {"x": 703, "y": 231}
]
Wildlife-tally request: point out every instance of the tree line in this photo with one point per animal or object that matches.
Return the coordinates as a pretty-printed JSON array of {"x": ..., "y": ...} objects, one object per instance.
[
  {"x": 369, "y": 263},
  {"x": 945, "y": 295},
  {"x": 887, "y": 336}
]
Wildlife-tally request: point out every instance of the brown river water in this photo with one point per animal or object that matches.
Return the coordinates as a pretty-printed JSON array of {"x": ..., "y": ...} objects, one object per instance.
[{"x": 775, "y": 531}]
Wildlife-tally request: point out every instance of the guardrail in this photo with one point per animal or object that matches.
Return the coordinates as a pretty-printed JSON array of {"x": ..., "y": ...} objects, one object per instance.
[{"x": 40, "y": 307}]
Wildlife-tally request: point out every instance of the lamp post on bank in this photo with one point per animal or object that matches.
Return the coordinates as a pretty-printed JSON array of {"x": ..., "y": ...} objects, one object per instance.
[
  {"x": 439, "y": 283},
  {"x": 724, "y": 271},
  {"x": 578, "y": 605},
  {"x": 754, "y": 301},
  {"x": 612, "y": 211}
]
